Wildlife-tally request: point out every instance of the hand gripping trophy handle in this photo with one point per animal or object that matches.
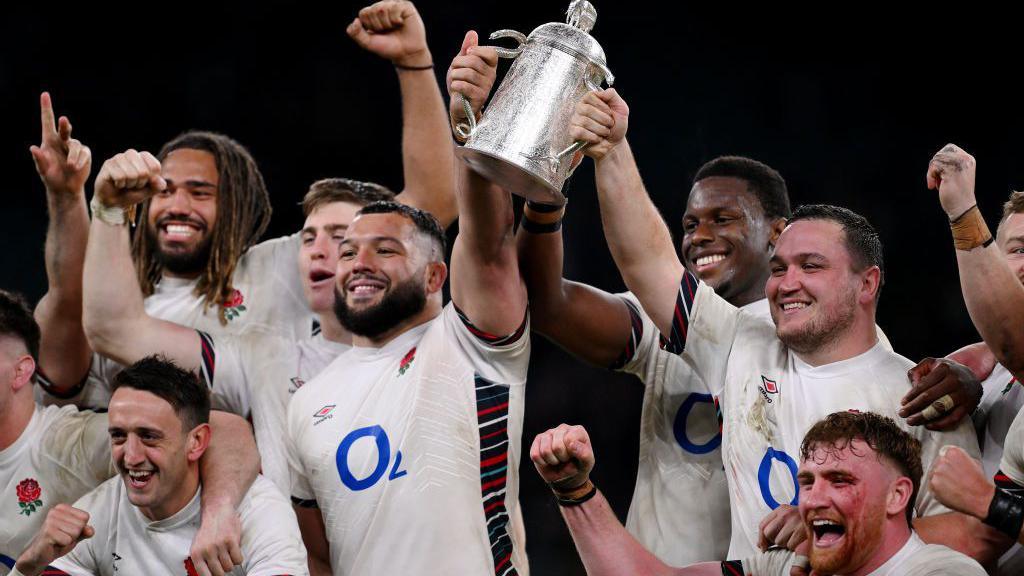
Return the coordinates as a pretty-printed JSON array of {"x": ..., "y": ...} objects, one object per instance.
[{"x": 464, "y": 129}]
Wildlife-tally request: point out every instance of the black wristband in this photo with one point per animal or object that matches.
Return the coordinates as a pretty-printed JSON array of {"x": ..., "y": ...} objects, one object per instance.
[
  {"x": 538, "y": 228},
  {"x": 424, "y": 67},
  {"x": 1006, "y": 513},
  {"x": 544, "y": 208},
  {"x": 570, "y": 502}
]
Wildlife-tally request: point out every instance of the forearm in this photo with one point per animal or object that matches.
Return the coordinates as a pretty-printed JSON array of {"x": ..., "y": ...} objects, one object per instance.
[
  {"x": 995, "y": 301},
  {"x": 604, "y": 545},
  {"x": 64, "y": 352},
  {"x": 113, "y": 305},
  {"x": 230, "y": 464},
  {"x": 637, "y": 236},
  {"x": 428, "y": 156},
  {"x": 963, "y": 533}
]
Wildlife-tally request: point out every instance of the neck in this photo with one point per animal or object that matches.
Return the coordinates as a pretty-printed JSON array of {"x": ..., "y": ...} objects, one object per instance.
[
  {"x": 855, "y": 340},
  {"x": 752, "y": 294},
  {"x": 184, "y": 276},
  {"x": 16, "y": 418},
  {"x": 332, "y": 330},
  {"x": 897, "y": 533},
  {"x": 174, "y": 503},
  {"x": 429, "y": 312}
]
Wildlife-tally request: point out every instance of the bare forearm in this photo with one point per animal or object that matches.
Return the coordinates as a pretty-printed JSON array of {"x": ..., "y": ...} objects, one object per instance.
[
  {"x": 428, "y": 157},
  {"x": 963, "y": 533},
  {"x": 113, "y": 302},
  {"x": 231, "y": 463},
  {"x": 64, "y": 351},
  {"x": 637, "y": 236},
  {"x": 604, "y": 545},
  {"x": 995, "y": 301}
]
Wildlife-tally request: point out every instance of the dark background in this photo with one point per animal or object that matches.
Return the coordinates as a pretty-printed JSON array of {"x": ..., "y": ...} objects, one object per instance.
[{"x": 849, "y": 105}]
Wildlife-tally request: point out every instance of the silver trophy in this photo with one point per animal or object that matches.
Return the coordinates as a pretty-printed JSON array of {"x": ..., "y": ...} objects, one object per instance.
[{"x": 522, "y": 140}]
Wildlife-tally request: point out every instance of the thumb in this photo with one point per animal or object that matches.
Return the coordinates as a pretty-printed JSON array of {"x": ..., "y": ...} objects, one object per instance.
[
  {"x": 37, "y": 154},
  {"x": 156, "y": 182},
  {"x": 468, "y": 42},
  {"x": 356, "y": 31},
  {"x": 87, "y": 532}
]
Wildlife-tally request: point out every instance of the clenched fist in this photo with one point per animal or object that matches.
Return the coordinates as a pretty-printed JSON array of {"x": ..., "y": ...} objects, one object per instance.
[
  {"x": 951, "y": 172},
  {"x": 392, "y": 29},
  {"x": 128, "y": 179},
  {"x": 472, "y": 75},
  {"x": 62, "y": 530},
  {"x": 959, "y": 482},
  {"x": 563, "y": 456}
]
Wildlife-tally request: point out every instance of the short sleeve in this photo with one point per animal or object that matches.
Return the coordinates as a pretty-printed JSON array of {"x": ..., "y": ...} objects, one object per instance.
[
  {"x": 301, "y": 491},
  {"x": 224, "y": 368},
  {"x": 271, "y": 541},
  {"x": 500, "y": 358},
  {"x": 80, "y": 441}
]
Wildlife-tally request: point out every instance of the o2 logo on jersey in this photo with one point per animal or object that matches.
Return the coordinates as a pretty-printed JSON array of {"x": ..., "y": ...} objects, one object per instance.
[
  {"x": 764, "y": 476},
  {"x": 383, "y": 446},
  {"x": 683, "y": 415}
]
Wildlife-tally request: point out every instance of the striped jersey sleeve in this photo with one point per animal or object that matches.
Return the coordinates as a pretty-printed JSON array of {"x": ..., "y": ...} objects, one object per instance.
[
  {"x": 685, "y": 299},
  {"x": 636, "y": 336}
]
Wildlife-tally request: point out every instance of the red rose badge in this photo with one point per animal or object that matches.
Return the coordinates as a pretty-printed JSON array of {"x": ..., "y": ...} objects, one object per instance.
[
  {"x": 407, "y": 361},
  {"x": 28, "y": 496},
  {"x": 234, "y": 305}
]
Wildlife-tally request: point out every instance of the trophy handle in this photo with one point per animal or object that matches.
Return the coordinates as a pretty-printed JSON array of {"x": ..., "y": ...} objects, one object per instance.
[
  {"x": 465, "y": 129},
  {"x": 594, "y": 82},
  {"x": 519, "y": 37}
]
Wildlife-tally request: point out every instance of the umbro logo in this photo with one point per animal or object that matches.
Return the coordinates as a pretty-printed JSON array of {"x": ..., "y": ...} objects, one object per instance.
[
  {"x": 296, "y": 384},
  {"x": 325, "y": 413},
  {"x": 767, "y": 387}
]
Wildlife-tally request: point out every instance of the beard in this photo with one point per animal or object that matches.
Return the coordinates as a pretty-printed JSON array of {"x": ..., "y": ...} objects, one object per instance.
[
  {"x": 825, "y": 327},
  {"x": 181, "y": 263},
  {"x": 400, "y": 303},
  {"x": 861, "y": 543}
]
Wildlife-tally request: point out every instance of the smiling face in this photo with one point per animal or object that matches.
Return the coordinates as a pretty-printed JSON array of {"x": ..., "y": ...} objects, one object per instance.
[
  {"x": 321, "y": 235},
  {"x": 848, "y": 494},
  {"x": 726, "y": 238},
  {"x": 181, "y": 218},
  {"x": 156, "y": 458},
  {"x": 385, "y": 274},
  {"x": 813, "y": 292}
]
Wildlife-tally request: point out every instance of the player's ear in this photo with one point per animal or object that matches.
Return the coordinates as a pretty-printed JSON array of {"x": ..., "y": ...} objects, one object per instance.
[
  {"x": 900, "y": 492},
  {"x": 198, "y": 441},
  {"x": 437, "y": 273},
  {"x": 24, "y": 368},
  {"x": 775, "y": 230}
]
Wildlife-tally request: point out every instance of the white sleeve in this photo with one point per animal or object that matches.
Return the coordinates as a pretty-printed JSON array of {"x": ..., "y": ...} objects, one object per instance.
[
  {"x": 644, "y": 341},
  {"x": 271, "y": 541},
  {"x": 1012, "y": 463},
  {"x": 302, "y": 491},
  {"x": 224, "y": 366},
  {"x": 704, "y": 329},
  {"x": 87, "y": 557},
  {"x": 274, "y": 264},
  {"x": 92, "y": 393},
  {"x": 80, "y": 441},
  {"x": 502, "y": 359}
]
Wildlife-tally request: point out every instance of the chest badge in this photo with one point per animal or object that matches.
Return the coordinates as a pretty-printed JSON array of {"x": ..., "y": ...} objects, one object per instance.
[
  {"x": 29, "y": 496},
  {"x": 234, "y": 305},
  {"x": 325, "y": 413},
  {"x": 407, "y": 361}
]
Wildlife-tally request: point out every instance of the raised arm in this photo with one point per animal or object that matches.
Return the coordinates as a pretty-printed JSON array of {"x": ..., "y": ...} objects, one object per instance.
[
  {"x": 994, "y": 296},
  {"x": 393, "y": 30},
  {"x": 114, "y": 316},
  {"x": 63, "y": 164},
  {"x": 564, "y": 458},
  {"x": 485, "y": 281},
  {"x": 637, "y": 236}
]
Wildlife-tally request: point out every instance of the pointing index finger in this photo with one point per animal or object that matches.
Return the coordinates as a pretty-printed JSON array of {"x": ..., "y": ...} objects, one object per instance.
[{"x": 49, "y": 126}]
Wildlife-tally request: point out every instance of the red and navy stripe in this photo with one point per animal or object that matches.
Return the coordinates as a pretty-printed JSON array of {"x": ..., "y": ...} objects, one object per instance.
[
  {"x": 732, "y": 568},
  {"x": 1005, "y": 483},
  {"x": 209, "y": 356},
  {"x": 636, "y": 335},
  {"x": 492, "y": 418},
  {"x": 493, "y": 339},
  {"x": 681, "y": 316}
]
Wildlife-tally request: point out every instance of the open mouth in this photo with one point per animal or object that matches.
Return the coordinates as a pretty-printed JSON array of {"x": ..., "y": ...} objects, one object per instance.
[
  {"x": 139, "y": 478},
  {"x": 827, "y": 533},
  {"x": 318, "y": 276},
  {"x": 178, "y": 231},
  {"x": 793, "y": 307},
  {"x": 365, "y": 287}
]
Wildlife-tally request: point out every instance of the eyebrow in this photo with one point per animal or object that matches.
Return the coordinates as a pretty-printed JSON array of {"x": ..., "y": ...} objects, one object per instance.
[
  {"x": 801, "y": 257},
  {"x": 329, "y": 228},
  {"x": 193, "y": 183},
  {"x": 394, "y": 239}
]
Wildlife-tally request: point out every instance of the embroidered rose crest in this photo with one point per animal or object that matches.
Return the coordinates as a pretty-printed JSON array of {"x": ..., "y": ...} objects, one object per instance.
[
  {"x": 28, "y": 496},
  {"x": 407, "y": 361},
  {"x": 234, "y": 305}
]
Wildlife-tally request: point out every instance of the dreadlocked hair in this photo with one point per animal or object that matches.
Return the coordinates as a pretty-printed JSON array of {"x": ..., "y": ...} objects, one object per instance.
[{"x": 243, "y": 213}]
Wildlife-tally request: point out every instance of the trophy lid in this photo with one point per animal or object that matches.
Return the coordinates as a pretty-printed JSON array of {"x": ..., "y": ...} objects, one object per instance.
[{"x": 573, "y": 36}]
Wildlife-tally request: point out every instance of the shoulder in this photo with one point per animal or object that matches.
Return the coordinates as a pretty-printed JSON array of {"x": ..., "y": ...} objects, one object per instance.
[
  {"x": 936, "y": 560},
  {"x": 102, "y": 501}
]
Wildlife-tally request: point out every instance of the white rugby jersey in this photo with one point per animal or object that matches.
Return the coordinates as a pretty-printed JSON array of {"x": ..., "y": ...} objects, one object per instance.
[
  {"x": 680, "y": 476},
  {"x": 255, "y": 376},
  {"x": 769, "y": 398},
  {"x": 411, "y": 452},
  {"x": 915, "y": 558},
  {"x": 126, "y": 542},
  {"x": 61, "y": 455},
  {"x": 268, "y": 299}
]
